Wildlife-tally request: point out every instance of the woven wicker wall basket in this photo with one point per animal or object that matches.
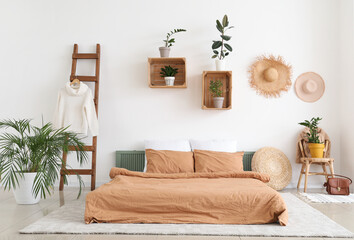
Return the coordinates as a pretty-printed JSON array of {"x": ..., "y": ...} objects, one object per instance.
[{"x": 273, "y": 162}]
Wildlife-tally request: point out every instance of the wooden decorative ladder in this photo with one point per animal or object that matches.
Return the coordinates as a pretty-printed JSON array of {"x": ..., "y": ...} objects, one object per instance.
[{"x": 93, "y": 148}]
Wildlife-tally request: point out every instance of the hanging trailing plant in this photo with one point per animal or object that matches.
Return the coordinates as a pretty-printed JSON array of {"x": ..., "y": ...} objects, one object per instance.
[{"x": 225, "y": 48}]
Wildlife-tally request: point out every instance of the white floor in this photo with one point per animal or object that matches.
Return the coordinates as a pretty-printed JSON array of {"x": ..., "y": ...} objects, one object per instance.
[{"x": 14, "y": 217}]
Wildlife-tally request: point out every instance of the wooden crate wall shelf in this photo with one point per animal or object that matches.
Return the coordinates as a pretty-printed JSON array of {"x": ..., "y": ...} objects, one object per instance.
[
  {"x": 154, "y": 69},
  {"x": 226, "y": 78}
]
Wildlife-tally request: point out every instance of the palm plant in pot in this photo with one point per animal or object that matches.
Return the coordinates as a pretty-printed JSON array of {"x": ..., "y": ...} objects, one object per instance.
[
  {"x": 169, "y": 73},
  {"x": 165, "y": 51},
  {"x": 215, "y": 88},
  {"x": 225, "y": 48},
  {"x": 314, "y": 143},
  {"x": 31, "y": 158}
]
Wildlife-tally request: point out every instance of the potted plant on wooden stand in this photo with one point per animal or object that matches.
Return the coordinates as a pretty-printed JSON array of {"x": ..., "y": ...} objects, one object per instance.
[
  {"x": 225, "y": 48},
  {"x": 169, "y": 73},
  {"x": 215, "y": 88},
  {"x": 165, "y": 51},
  {"x": 31, "y": 158},
  {"x": 315, "y": 146}
]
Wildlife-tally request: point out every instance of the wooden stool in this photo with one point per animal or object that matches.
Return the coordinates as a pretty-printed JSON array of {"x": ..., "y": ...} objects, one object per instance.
[{"x": 306, "y": 163}]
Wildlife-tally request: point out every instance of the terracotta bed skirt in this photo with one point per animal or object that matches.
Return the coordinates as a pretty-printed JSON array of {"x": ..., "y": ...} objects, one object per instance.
[{"x": 217, "y": 198}]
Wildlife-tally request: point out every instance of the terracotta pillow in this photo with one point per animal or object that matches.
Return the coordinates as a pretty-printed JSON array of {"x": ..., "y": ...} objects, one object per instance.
[
  {"x": 210, "y": 161},
  {"x": 166, "y": 161}
]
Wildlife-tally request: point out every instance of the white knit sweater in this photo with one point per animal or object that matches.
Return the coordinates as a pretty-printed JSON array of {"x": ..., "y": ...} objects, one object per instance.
[{"x": 76, "y": 109}]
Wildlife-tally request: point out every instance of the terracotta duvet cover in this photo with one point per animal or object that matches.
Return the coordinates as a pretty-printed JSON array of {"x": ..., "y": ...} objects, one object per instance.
[{"x": 218, "y": 198}]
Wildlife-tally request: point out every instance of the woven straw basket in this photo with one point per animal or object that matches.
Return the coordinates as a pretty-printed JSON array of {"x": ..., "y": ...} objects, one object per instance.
[{"x": 273, "y": 162}]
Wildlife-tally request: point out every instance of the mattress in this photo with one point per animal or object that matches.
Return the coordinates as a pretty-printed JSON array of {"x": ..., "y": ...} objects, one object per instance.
[{"x": 215, "y": 198}]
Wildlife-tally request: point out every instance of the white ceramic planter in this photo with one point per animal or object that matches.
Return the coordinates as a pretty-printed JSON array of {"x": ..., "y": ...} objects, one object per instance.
[
  {"x": 164, "y": 51},
  {"x": 218, "y": 102},
  {"x": 23, "y": 193},
  {"x": 220, "y": 65},
  {"x": 169, "y": 81}
]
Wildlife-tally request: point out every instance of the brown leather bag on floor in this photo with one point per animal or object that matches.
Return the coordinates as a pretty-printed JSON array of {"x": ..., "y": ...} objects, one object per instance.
[{"x": 338, "y": 185}]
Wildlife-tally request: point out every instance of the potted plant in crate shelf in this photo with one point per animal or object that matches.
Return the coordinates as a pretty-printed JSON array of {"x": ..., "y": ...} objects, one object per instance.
[
  {"x": 169, "y": 73},
  {"x": 314, "y": 144},
  {"x": 215, "y": 88},
  {"x": 165, "y": 51},
  {"x": 31, "y": 158},
  {"x": 225, "y": 48}
]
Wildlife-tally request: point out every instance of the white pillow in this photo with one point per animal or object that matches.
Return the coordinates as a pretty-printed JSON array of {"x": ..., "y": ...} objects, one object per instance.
[
  {"x": 173, "y": 145},
  {"x": 217, "y": 145}
]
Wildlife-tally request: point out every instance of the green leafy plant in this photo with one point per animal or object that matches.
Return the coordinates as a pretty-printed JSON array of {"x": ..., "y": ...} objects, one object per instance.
[
  {"x": 27, "y": 148},
  {"x": 215, "y": 88},
  {"x": 170, "y": 41},
  {"x": 313, "y": 127},
  {"x": 225, "y": 48},
  {"x": 168, "y": 71}
]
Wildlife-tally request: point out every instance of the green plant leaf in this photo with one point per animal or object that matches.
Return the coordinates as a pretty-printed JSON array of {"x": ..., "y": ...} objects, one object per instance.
[
  {"x": 225, "y": 21},
  {"x": 214, "y": 56},
  {"x": 225, "y": 37},
  {"x": 228, "y": 47},
  {"x": 219, "y": 26},
  {"x": 216, "y": 45},
  {"x": 216, "y": 52},
  {"x": 220, "y": 29}
]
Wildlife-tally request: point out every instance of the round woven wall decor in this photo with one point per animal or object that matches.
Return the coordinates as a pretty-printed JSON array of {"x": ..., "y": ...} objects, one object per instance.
[{"x": 273, "y": 162}]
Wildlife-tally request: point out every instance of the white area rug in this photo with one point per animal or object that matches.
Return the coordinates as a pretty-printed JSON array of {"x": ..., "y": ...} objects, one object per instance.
[
  {"x": 304, "y": 221},
  {"x": 326, "y": 198}
]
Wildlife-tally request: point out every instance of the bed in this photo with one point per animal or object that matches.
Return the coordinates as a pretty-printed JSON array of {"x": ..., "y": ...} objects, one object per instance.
[{"x": 239, "y": 197}]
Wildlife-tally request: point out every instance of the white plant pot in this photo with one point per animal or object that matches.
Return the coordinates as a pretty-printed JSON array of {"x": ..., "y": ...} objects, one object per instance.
[
  {"x": 169, "y": 81},
  {"x": 23, "y": 192},
  {"x": 220, "y": 65},
  {"x": 164, "y": 51},
  {"x": 218, "y": 102}
]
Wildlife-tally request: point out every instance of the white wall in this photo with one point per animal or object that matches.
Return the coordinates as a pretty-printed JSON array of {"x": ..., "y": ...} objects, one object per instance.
[
  {"x": 36, "y": 45},
  {"x": 347, "y": 86}
]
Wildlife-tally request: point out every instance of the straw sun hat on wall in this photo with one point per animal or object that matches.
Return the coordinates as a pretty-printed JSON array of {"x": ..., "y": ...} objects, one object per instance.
[
  {"x": 270, "y": 75},
  {"x": 309, "y": 87}
]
